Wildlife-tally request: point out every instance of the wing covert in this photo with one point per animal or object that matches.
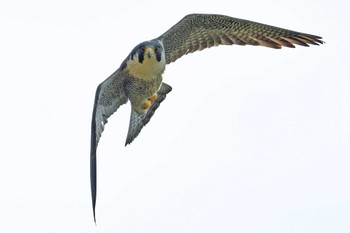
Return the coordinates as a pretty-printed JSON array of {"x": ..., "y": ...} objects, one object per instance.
[
  {"x": 109, "y": 96},
  {"x": 196, "y": 32}
]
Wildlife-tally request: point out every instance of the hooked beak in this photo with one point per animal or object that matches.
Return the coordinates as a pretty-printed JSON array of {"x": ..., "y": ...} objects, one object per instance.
[{"x": 149, "y": 52}]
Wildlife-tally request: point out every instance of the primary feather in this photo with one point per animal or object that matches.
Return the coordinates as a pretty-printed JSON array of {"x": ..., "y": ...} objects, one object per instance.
[{"x": 140, "y": 75}]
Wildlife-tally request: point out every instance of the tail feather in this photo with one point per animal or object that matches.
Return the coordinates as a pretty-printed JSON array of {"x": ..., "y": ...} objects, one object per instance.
[{"x": 138, "y": 121}]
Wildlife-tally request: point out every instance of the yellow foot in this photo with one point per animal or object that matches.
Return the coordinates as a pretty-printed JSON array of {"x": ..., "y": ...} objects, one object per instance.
[
  {"x": 153, "y": 98},
  {"x": 147, "y": 104}
]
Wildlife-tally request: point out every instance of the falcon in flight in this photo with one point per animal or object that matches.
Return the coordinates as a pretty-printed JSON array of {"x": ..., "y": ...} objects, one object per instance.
[{"x": 139, "y": 77}]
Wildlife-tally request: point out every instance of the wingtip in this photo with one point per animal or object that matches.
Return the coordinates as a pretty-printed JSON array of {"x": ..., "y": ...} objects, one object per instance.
[
  {"x": 93, "y": 211},
  {"x": 93, "y": 183},
  {"x": 95, "y": 219}
]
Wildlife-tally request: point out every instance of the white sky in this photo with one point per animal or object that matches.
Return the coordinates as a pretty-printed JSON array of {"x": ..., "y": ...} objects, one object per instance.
[{"x": 250, "y": 139}]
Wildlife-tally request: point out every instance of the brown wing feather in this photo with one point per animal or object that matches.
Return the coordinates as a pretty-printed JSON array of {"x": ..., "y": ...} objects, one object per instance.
[{"x": 196, "y": 32}]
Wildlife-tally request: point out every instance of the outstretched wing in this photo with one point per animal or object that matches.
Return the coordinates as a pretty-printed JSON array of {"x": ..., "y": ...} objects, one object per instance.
[
  {"x": 196, "y": 32},
  {"x": 138, "y": 121},
  {"x": 109, "y": 96}
]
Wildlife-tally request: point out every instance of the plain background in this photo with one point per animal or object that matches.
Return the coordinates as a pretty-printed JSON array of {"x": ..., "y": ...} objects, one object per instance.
[{"x": 250, "y": 139}]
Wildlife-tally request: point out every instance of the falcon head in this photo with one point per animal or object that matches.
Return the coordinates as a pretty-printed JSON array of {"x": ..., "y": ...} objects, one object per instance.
[{"x": 145, "y": 60}]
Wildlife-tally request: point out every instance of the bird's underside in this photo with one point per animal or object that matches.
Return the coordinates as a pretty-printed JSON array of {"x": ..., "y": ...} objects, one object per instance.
[{"x": 139, "y": 78}]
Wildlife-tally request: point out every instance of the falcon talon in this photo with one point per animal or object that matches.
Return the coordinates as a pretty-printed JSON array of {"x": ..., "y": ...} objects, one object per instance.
[
  {"x": 153, "y": 98},
  {"x": 140, "y": 74},
  {"x": 147, "y": 104}
]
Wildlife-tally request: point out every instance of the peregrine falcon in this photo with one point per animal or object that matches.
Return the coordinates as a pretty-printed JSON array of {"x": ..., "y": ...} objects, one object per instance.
[{"x": 139, "y": 77}]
